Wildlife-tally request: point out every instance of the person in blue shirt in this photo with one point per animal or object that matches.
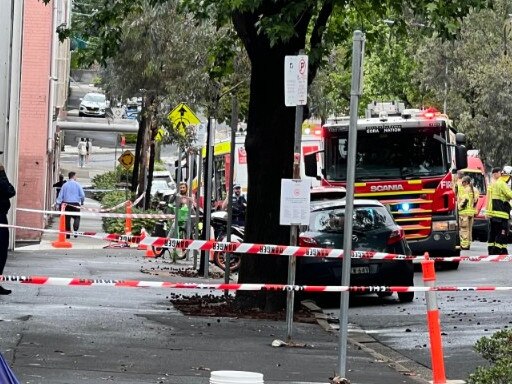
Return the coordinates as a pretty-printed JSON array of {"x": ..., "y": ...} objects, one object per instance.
[{"x": 73, "y": 196}]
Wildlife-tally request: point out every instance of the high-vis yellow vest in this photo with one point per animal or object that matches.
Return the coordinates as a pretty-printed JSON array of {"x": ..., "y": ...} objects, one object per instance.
[
  {"x": 465, "y": 201},
  {"x": 498, "y": 195}
]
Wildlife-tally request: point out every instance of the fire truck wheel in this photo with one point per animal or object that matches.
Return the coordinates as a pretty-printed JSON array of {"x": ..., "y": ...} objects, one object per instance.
[
  {"x": 384, "y": 294},
  {"x": 406, "y": 297}
]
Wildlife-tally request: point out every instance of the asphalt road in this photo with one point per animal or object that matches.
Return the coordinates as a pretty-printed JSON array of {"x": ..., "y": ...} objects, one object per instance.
[{"x": 465, "y": 316}]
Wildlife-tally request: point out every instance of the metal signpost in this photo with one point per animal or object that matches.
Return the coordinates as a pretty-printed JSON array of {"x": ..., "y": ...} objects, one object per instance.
[
  {"x": 355, "y": 92},
  {"x": 296, "y": 94},
  {"x": 126, "y": 160},
  {"x": 208, "y": 192},
  {"x": 234, "y": 125}
]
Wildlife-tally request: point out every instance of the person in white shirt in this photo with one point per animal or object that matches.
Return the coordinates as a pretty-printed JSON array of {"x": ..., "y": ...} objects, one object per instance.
[{"x": 82, "y": 152}]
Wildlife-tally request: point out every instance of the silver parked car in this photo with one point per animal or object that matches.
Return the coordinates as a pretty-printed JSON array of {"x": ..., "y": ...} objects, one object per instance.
[{"x": 93, "y": 104}]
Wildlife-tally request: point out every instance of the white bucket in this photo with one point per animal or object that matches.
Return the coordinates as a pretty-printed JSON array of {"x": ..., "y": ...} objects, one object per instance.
[{"x": 236, "y": 377}]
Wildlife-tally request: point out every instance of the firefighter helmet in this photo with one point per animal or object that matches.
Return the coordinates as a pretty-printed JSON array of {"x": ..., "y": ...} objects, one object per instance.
[{"x": 507, "y": 170}]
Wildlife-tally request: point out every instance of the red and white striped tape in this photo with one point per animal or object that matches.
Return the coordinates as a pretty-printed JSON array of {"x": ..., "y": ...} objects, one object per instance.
[
  {"x": 100, "y": 214},
  {"x": 267, "y": 249},
  {"x": 289, "y": 250},
  {"x": 263, "y": 249},
  {"x": 100, "y": 209},
  {"x": 135, "y": 202},
  {"x": 74, "y": 281},
  {"x": 112, "y": 237}
]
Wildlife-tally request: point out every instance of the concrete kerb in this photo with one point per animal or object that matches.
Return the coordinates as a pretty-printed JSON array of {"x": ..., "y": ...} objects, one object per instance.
[
  {"x": 418, "y": 372},
  {"x": 361, "y": 340}
]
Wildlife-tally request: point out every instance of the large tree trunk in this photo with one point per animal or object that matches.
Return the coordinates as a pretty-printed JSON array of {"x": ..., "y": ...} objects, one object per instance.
[{"x": 269, "y": 145}]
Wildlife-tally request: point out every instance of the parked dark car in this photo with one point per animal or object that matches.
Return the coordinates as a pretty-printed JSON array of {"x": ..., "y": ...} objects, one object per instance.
[{"x": 373, "y": 230}]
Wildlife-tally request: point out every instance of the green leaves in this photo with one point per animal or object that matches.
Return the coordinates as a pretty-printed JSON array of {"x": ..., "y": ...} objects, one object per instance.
[
  {"x": 497, "y": 349},
  {"x": 473, "y": 74}
]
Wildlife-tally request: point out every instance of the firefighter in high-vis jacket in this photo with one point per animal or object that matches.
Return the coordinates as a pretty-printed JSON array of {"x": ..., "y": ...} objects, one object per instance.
[
  {"x": 498, "y": 211},
  {"x": 465, "y": 208}
]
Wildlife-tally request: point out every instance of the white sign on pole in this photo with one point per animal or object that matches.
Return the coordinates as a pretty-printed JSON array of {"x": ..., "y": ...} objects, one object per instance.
[
  {"x": 295, "y": 80},
  {"x": 302, "y": 79},
  {"x": 295, "y": 202},
  {"x": 290, "y": 81}
]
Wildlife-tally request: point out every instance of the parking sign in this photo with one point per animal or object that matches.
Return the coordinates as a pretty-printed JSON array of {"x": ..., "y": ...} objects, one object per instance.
[{"x": 295, "y": 80}]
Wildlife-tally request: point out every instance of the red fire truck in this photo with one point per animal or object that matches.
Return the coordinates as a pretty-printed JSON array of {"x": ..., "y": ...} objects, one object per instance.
[{"x": 405, "y": 158}]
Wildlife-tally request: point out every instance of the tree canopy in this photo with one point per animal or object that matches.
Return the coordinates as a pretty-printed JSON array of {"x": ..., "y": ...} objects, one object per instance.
[{"x": 269, "y": 30}]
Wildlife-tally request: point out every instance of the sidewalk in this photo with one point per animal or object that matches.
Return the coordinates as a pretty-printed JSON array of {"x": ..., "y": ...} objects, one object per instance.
[
  {"x": 203, "y": 342},
  {"x": 186, "y": 347}
]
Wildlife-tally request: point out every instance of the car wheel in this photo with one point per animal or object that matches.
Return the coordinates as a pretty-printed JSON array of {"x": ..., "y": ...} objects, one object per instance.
[
  {"x": 406, "y": 297},
  {"x": 80, "y": 114}
]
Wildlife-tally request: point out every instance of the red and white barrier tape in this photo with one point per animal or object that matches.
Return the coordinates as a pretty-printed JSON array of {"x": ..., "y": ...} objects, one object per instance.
[
  {"x": 102, "y": 210},
  {"x": 100, "y": 214},
  {"x": 113, "y": 237},
  {"x": 267, "y": 249},
  {"x": 74, "y": 281},
  {"x": 288, "y": 250},
  {"x": 263, "y": 249}
]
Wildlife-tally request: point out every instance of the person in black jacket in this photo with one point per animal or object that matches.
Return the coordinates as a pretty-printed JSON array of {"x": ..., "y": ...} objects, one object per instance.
[
  {"x": 239, "y": 204},
  {"x": 58, "y": 185},
  {"x": 6, "y": 192}
]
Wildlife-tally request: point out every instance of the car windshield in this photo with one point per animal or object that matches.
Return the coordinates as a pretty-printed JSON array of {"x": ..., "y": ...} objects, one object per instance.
[
  {"x": 95, "y": 98},
  {"x": 478, "y": 181},
  {"x": 364, "y": 219},
  {"x": 385, "y": 154},
  {"x": 158, "y": 185}
]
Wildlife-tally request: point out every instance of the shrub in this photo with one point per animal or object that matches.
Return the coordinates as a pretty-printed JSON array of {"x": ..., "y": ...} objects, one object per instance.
[
  {"x": 109, "y": 179},
  {"x": 160, "y": 166},
  {"x": 113, "y": 225},
  {"x": 131, "y": 138},
  {"x": 496, "y": 349}
]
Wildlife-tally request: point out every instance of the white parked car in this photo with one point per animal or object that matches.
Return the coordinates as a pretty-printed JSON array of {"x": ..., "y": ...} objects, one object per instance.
[{"x": 93, "y": 104}]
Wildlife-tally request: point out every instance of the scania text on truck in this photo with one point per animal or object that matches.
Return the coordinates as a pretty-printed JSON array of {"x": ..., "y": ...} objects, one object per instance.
[{"x": 406, "y": 159}]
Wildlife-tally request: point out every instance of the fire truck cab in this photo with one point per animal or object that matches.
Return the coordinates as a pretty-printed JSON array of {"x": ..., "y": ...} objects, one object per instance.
[{"x": 405, "y": 158}]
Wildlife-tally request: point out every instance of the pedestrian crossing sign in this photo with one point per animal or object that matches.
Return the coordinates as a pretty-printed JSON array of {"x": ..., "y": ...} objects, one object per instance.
[
  {"x": 181, "y": 117},
  {"x": 160, "y": 134}
]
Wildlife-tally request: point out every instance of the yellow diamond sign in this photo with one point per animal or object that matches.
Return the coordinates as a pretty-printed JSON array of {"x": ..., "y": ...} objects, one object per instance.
[
  {"x": 160, "y": 134},
  {"x": 181, "y": 117},
  {"x": 126, "y": 159}
]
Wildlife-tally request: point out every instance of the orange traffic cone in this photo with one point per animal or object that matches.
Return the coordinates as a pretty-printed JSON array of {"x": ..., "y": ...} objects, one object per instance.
[
  {"x": 149, "y": 250},
  {"x": 61, "y": 241},
  {"x": 150, "y": 253},
  {"x": 143, "y": 234}
]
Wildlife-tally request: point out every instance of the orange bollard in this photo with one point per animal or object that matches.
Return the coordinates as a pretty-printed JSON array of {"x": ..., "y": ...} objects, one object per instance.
[
  {"x": 434, "y": 322},
  {"x": 150, "y": 253},
  {"x": 128, "y": 220},
  {"x": 61, "y": 241}
]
